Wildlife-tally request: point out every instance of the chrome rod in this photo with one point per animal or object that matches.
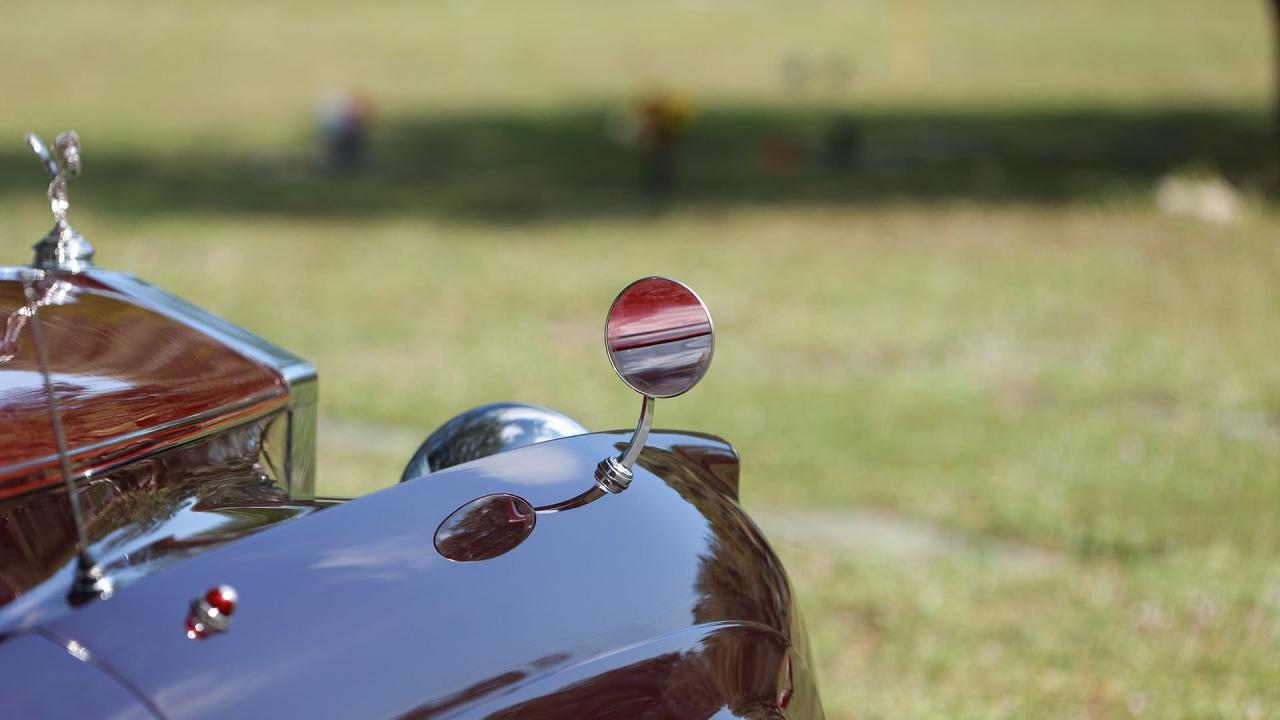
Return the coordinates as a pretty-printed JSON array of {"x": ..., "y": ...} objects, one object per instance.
[
  {"x": 577, "y": 501},
  {"x": 90, "y": 581},
  {"x": 55, "y": 413}
]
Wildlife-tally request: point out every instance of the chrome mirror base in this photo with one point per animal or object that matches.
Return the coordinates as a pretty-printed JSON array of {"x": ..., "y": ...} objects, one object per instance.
[{"x": 612, "y": 476}]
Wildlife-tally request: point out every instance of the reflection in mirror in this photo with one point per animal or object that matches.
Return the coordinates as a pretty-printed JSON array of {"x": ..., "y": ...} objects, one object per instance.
[
  {"x": 485, "y": 528},
  {"x": 659, "y": 337}
]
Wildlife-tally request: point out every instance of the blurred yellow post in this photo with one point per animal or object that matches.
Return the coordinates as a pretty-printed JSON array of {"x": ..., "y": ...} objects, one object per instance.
[{"x": 910, "y": 42}]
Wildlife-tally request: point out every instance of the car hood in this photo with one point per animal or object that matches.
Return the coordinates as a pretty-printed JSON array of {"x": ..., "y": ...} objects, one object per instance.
[{"x": 352, "y": 611}]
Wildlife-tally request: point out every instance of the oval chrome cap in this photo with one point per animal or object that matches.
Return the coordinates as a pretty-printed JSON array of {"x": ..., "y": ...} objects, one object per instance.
[
  {"x": 485, "y": 528},
  {"x": 659, "y": 337}
]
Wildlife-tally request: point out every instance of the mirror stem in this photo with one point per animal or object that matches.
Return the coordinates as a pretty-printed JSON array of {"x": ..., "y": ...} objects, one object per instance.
[
  {"x": 614, "y": 474},
  {"x": 628, "y": 457}
]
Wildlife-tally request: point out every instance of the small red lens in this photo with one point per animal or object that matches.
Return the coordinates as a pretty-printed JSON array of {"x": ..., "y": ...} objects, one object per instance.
[{"x": 224, "y": 602}]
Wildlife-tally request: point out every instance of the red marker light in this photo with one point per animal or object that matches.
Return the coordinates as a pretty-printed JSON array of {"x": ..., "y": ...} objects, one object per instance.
[
  {"x": 222, "y": 598},
  {"x": 211, "y": 613}
]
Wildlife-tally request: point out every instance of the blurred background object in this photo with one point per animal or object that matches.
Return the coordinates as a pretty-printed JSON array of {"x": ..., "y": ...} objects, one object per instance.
[
  {"x": 345, "y": 121},
  {"x": 995, "y": 284},
  {"x": 655, "y": 120}
]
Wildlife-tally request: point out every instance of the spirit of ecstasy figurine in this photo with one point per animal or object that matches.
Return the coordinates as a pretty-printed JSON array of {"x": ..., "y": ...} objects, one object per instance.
[{"x": 63, "y": 249}]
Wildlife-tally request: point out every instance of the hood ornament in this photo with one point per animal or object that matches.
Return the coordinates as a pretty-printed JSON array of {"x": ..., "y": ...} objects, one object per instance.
[{"x": 63, "y": 249}]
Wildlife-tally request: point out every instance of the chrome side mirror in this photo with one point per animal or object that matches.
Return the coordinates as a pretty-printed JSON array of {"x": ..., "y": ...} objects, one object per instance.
[{"x": 660, "y": 340}]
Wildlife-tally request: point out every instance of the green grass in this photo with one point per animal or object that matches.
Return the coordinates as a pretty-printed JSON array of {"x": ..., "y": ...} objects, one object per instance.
[{"x": 985, "y": 326}]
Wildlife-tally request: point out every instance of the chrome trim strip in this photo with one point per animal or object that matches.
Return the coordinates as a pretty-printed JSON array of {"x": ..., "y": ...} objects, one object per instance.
[{"x": 294, "y": 369}]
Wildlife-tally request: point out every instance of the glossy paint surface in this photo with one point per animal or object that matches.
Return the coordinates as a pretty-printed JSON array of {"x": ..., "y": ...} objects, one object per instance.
[
  {"x": 41, "y": 679},
  {"x": 129, "y": 380},
  {"x": 659, "y": 337},
  {"x": 715, "y": 670},
  {"x": 352, "y": 612}
]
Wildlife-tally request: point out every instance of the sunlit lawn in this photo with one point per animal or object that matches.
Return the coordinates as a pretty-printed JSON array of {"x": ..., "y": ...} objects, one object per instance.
[
  {"x": 1098, "y": 384},
  {"x": 986, "y": 329}
]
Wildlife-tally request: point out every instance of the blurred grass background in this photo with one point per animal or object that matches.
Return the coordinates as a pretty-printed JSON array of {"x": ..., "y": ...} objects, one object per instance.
[{"x": 1034, "y": 421}]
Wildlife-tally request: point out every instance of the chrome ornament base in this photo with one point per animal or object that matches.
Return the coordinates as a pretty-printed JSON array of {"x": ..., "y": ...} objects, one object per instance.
[
  {"x": 612, "y": 476},
  {"x": 63, "y": 250}
]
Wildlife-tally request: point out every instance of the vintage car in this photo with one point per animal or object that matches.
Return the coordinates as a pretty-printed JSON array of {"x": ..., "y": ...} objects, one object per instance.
[{"x": 165, "y": 553}]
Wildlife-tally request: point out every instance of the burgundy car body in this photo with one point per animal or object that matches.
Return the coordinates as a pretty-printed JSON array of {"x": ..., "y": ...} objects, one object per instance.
[{"x": 189, "y": 442}]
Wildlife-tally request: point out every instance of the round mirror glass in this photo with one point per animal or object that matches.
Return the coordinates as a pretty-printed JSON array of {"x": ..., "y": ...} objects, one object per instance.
[{"x": 659, "y": 337}]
